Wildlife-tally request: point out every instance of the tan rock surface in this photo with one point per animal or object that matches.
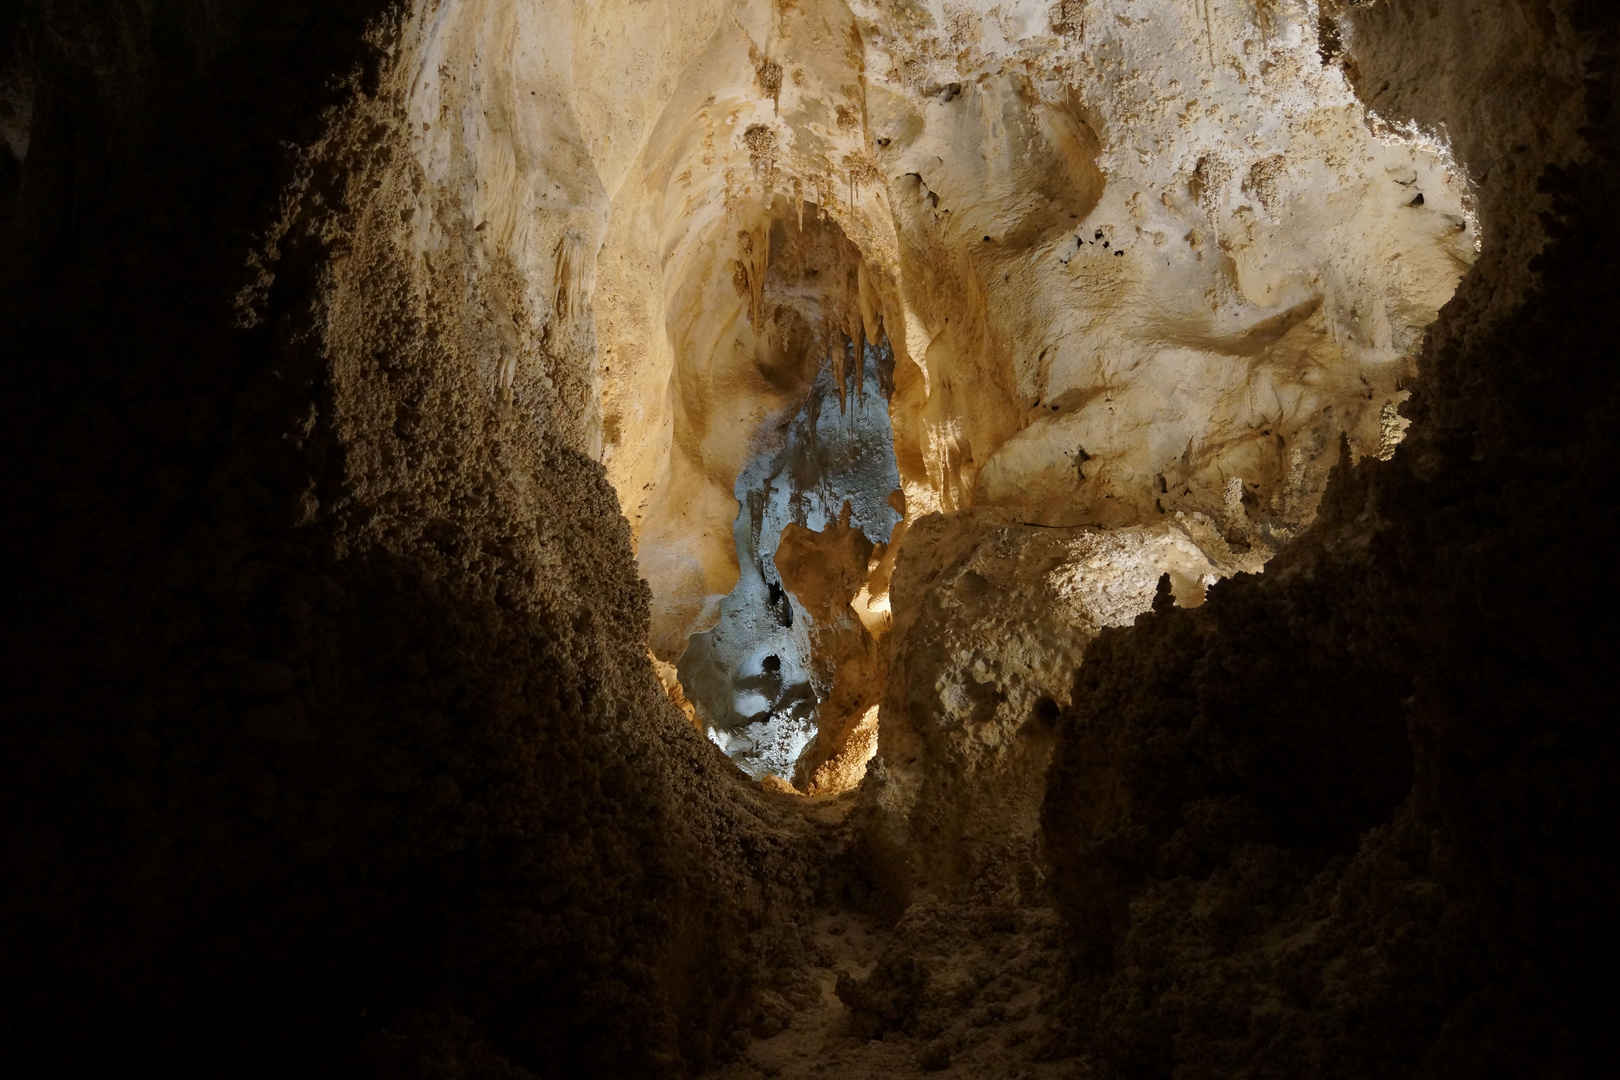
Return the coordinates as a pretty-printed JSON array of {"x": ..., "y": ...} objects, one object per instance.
[
  {"x": 991, "y": 620},
  {"x": 1138, "y": 264},
  {"x": 1263, "y": 268}
]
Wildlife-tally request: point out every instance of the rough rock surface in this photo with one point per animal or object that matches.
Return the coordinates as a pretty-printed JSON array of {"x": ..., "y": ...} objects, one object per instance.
[
  {"x": 1350, "y": 817},
  {"x": 340, "y": 335},
  {"x": 1148, "y": 259},
  {"x": 330, "y": 740},
  {"x": 991, "y": 619}
]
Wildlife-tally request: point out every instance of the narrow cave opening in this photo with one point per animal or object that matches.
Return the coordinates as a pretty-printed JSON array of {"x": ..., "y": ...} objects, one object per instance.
[{"x": 816, "y": 514}]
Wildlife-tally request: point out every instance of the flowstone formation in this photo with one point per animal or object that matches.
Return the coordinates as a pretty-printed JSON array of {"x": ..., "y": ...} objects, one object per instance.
[{"x": 760, "y": 679}]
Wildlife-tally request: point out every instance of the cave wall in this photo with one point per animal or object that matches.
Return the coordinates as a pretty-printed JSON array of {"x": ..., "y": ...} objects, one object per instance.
[
  {"x": 1152, "y": 262},
  {"x": 331, "y": 743},
  {"x": 1127, "y": 278},
  {"x": 1351, "y": 816},
  {"x": 1136, "y": 268},
  {"x": 1139, "y": 263}
]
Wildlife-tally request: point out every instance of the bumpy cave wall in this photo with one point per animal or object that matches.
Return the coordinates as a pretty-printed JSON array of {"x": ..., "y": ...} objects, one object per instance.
[
  {"x": 330, "y": 740},
  {"x": 1139, "y": 267},
  {"x": 1143, "y": 265},
  {"x": 1146, "y": 262},
  {"x": 1352, "y": 817}
]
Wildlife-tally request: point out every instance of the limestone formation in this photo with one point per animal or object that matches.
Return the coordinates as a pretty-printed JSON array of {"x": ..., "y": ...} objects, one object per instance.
[
  {"x": 1130, "y": 263},
  {"x": 992, "y": 619},
  {"x": 789, "y": 666}
]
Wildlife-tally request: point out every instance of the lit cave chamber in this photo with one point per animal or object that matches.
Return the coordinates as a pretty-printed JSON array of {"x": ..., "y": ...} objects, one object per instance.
[
  {"x": 787, "y": 538},
  {"x": 819, "y": 504}
]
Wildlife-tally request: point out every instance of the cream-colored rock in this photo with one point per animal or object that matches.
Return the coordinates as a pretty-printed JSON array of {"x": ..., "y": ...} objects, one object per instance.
[
  {"x": 992, "y": 618},
  {"x": 1124, "y": 260},
  {"x": 1134, "y": 259},
  {"x": 1244, "y": 277},
  {"x": 824, "y": 571}
]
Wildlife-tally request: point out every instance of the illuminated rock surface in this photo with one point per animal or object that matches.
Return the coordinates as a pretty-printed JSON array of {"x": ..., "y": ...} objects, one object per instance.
[{"x": 764, "y": 678}]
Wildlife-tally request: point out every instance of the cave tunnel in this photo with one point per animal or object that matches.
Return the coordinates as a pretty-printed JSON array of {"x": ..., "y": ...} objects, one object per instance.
[{"x": 747, "y": 538}]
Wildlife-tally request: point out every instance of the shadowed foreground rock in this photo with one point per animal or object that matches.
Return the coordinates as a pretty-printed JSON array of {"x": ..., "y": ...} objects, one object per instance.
[
  {"x": 330, "y": 739},
  {"x": 1349, "y": 818}
]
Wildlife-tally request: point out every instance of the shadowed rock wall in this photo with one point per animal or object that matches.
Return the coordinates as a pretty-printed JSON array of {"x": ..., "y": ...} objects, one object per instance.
[
  {"x": 330, "y": 742},
  {"x": 1353, "y": 817}
]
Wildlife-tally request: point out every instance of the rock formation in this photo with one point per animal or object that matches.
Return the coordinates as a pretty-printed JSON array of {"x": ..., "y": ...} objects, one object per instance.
[
  {"x": 789, "y": 666},
  {"x": 1163, "y": 630},
  {"x": 1123, "y": 274}
]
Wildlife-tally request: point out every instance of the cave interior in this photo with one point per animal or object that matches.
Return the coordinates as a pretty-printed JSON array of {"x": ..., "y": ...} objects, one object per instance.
[{"x": 796, "y": 538}]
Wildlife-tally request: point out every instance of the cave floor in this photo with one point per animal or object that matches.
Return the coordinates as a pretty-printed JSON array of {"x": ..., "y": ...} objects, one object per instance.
[{"x": 978, "y": 1005}]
